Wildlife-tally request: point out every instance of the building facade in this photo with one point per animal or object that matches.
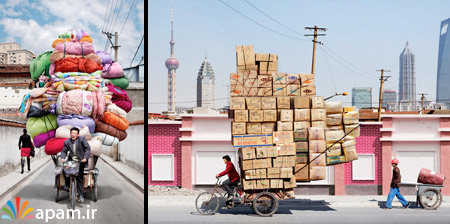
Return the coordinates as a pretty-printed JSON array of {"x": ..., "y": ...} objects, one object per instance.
[
  {"x": 443, "y": 69},
  {"x": 389, "y": 98},
  {"x": 407, "y": 78},
  {"x": 11, "y": 54},
  {"x": 362, "y": 97},
  {"x": 206, "y": 86}
]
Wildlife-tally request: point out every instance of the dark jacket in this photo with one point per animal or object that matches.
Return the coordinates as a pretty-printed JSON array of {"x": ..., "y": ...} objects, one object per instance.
[
  {"x": 25, "y": 141},
  {"x": 231, "y": 172},
  {"x": 83, "y": 149},
  {"x": 396, "y": 177}
]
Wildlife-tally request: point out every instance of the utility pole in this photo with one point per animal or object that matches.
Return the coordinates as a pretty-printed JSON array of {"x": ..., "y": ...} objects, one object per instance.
[
  {"x": 315, "y": 28},
  {"x": 422, "y": 99},
  {"x": 382, "y": 80},
  {"x": 115, "y": 46}
]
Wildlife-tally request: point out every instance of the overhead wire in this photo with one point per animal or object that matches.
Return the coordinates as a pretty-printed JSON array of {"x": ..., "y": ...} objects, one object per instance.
[
  {"x": 104, "y": 19},
  {"x": 110, "y": 18},
  {"x": 118, "y": 13},
  {"x": 126, "y": 19}
]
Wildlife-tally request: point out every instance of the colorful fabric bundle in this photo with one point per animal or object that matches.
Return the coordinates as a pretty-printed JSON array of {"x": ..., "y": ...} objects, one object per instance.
[
  {"x": 120, "y": 98},
  {"x": 115, "y": 120},
  {"x": 113, "y": 108},
  {"x": 76, "y": 121},
  {"x": 37, "y": 92},
  {"x": 102, "y": 127},
  {"x": 64, "y": 132},
  {"x": 57, "y": 55},
  {"x": 62, "y": 40},
  {"x": 73, "y": 64},
  {"x": 54, "y": 146},
  {"x": 39, "y": 65},
  {"x": 96, "y": 146},
  {"x": 25, "y": 106},
  {"x": 82, "y": 102},
  {"x": 80, "y": 82},
  {"x": 122, "y": 82},
  {"x": 113, "y": 70},
  {"x": 76, "y": 48},
  {"x": 46, "y": 97},
  {"x": 41, "y": 139},
  {"x": 39, "y": 125},
  {"x": 106, "y": 139},
  {"x": 105, "y": 56}
]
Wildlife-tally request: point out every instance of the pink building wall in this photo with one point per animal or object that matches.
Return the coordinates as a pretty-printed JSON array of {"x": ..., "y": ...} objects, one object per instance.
[{"x": 164, "y": 139}]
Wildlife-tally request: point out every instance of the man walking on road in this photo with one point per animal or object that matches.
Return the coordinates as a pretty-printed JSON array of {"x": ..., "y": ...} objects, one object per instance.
[{"x": 395, "y": 187}]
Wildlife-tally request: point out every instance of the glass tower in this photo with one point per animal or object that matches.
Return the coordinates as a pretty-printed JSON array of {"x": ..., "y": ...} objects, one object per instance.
[
  {"x": 443, "y": 69},
  {"x": 362, "y": 97}
]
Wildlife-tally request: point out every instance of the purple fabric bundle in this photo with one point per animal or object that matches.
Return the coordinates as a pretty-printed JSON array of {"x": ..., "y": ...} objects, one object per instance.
[
  {"x": 105, "y": 56},
  {"x": 76, "y": 121},
  {"x": 76, "y": 48},
  {"x": 41, "y": 139},
  {"x": 113, "y": 70}
]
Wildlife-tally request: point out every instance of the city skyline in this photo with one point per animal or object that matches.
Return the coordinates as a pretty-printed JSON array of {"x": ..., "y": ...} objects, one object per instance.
[{"x": 407, "y": 77}]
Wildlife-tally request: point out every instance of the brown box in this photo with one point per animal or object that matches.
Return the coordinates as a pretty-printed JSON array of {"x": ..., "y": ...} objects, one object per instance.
[
  {"x": 278, "y": 161},
  {"x": 317, "y": 146},
  {"x": 250, "y": 83},
  {"x": 280, "y": 137},
  {"x": 252, "y": 140},
  {"x": 317, "y": 102},
  {"x": 286, "y": 115},
  {"x": 270, "y": 115},
  {"x": 317, "y": 172},
  {"x": 246, "y": 68},
  {"x": 245, "y": 55},
  {"x": 307, "y": 79},
  {"x": 261, "y": 173},
  {"x": 301, "y": 172},
  {"x": 334, "y": 136},
  {"x": 316, "y": 134},
  {"x": 334, "y": 107},
  {"x": 279, "y": 78},
  {"x": 237, "y": 103},
  {"x": 249, "y": 184},
  {"x": 335, "y": 127},
  {"x": 319, "y": 124},
  {"x": 262, "y": 184},
  {"x": 301, "y": 134},
  {"x": 301, "y": 124},
  {"x": 308, "y": 91},
  {"x": 257, "y": 163},
  {"x": 268, "y": 128},
  {"x": 285, "y": 126},
  {"x": 262, "y": 163},
  {"x": 272, "y": 151},
  {"x": 317, "y": 159},
  {"x": 353, "y": 130},
  {"x": 293, "y": 79},
  {"x": 253, "y": 103},
  {"x": 276, "y": 183},
  {"x": 290, "y": 183},
  {"x": 236, "y": 78},
  {"x": 301, "y": 146},
  {"x": 301, "y": 158},
  {"x": 265, "y": 91},
  {"x": 261, "y": 152},
  {"x": 253, "y": 128},
  {"x": 284, "y": 102},
  {"x": 286, "y": 172},
  {"x": 247, "y": 153},
  {"x": 250, "y": 91},
  {"x": 273, "y": 172},
  {"x": 350, "y": 153},
  {"x": 266, "y": 57},
  {"x": 302, "y": 102},
  {"x": 264, "y": 81},
  {"x": 269, "y": 103},
  {"x": 302, "y": 115},
  {"x": 318, "y": 115},
  {"x": 237, "y": 90},
  {"x": 247, "y": 164},
  {"x": 256, "y": 115},
  {"x": 335, "y": 151},
  {"x": 265, "y": 67},
  {"x": 334, "y": 119},
  {"x": 249, "y": 174},
  {"x": 293, "y": 90},
  {"x": 239, "y": 128},
  {"x": 286, "y": 149},
  {"x": 279, "y": 90},
  {"x": 240, "y": 116},
  {"x": 289, "y": 161}
]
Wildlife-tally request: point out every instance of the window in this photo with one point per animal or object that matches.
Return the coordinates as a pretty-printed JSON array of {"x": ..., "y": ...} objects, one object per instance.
[
  {"x": 162, "y": 167},
  {"x": 364, "y": 167}
]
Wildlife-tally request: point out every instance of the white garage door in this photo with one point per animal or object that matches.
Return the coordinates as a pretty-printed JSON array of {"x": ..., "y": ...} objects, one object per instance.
[
  {"x": 208, "y": 164},
  {"x": 411, "y": 163}
]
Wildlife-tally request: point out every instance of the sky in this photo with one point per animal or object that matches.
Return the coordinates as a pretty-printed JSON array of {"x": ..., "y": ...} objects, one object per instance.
[
  {"x": 34, "y": 24},
  {"x": 363, "y": 36}
]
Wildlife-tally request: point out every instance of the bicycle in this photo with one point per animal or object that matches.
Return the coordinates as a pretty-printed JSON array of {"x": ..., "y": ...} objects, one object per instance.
[
  {"x": 207, "y": 203},
  {"x": 71, "y": 170}
]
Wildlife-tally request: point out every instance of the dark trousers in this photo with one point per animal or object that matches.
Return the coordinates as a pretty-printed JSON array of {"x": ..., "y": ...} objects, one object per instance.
[
  {"x": 22, "y": 162},
  {"x": 79, "y": 178},
  {"x": 227, "y": 185}
]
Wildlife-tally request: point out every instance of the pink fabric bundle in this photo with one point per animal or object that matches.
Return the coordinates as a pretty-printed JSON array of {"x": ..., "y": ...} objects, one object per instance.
[
  {"x": 113, "y": 70},
  {"x": 41, "y": 139},
  {"x": 120, "y": 98},
  {"x": 81, "y": 102},
  {"x": 76, "y": 48}
]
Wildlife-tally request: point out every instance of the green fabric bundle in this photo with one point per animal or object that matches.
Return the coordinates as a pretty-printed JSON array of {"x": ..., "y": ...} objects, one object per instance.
[
  {"x": 39, "y": 65},
  {"x": 39, "y": 125},
  {"x": 121, "y": 82}
]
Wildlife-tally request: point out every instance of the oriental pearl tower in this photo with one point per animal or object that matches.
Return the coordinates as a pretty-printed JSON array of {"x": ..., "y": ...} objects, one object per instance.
[{"x": 172, "y": 65}]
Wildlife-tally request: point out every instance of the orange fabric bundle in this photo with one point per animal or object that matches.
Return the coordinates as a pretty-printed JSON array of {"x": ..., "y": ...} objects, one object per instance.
[
  {"x": 77, "y": 65},
  {"x": 58, "y": 55},
  {"x": 115, "y": 121},
  {"x": 60, "y": 40}
]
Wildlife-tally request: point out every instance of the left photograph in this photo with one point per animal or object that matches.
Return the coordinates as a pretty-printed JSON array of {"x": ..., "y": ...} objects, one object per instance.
[{"x": 72, "y": 111}]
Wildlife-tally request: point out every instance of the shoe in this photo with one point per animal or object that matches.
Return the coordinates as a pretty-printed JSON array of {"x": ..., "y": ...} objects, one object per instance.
[
  {"x": 21, "y": 172},
  {"x": 81, "y": 198},
  {"x": 386, "y": 208},
  {"x": 407, "y": 206}
]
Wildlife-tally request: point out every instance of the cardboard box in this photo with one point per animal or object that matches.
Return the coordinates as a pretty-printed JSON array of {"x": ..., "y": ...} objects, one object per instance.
[
  {"x": 317, "y": 146},
  {"x": 256, "y": 115},
  {"x": 246, "y": 68},
  {"x": 285, "y": 115},
  {"x": 333, "y": 160},
  {"x": 319, "y": 124},
  {"x": 262, "y": 184},
  {"x": 335, "y": 128},
  {"x": 307, "y": 79},
  {"x": 265, "y": 67},
  {"x": 237, "y": 90},
  {"x": 302, "y": 102},
  {"x": 245, "y": 55},
  {"x": 317, "y": 102},
  {"x": 318, "y": 115},
  {"x": 301, "y": 124},
  {"x": 284, "y": 102},
  {"x": 279, "y": 78},
  {"x": 252, "y": 140},
  {"x": 273, "y": 172},
  {"x": 333, "y": 107},
  {"x": 266, "y": 57},
  {"x": 301, "y": 146},
  {"x": 264, "y": 91},
  {"x": 237, "y": 103},
  {"x": 350, "y": 109},
  {"x": 269, "y": 103},
  {"x": 279, "y": 90},
  {"x": 250, "y": 91},
  {"x": 285, "y": 126},
  {"x": 261, "y": 152},
  {"x": 289, "y": 161},
  {"x": 334, "y": 136},
  {"x": 307, "y": 90},
  {"x": 334, "y": 119},
  {"x": 286, "y": 149},
  {"x": 247, "y": 165},
  {"x": 317, "y": 159},
  {"x": 278, "y": 161},
  {"x": 236, "y": 78},
  {"x": 239, "y": 128},
  {"x": 240, "y": 116},
  {"x": 247, "y": 153},
  {"x": 316, "y": 134},
  {"x": 262, "y": 163},
  {"x": 301, "y": 172},
  {"x": 268, "y": 128},
  {"x": 301, "y": 158},
  {"x": 250, "y": 83},
  {"x": 264, "y": 81},
  {"x": 249, "y": 174},
  {"x": 317, "y": 172},
  {"x": 253, "y": 128},
  {"x": 334, "y": 152},
  {"x": 280, "y": 137},
  {"x": 261, "y": 173},
  {"x": 286, "y": 172},
  {"x": 272, "y": 151},
  {"x": 270, "y": 115},
  {"x": 302, "y": 115},
  {"x": 276, "y": 183},
  {"x": 350, "y": 153},
  {"x": 249, "y": 184},
  {"x": 293, "y": 90},
  {"x": 290, "y": 183},
  {"x": 293, "y": 79},
  {"x": 348, "y": 142},
  {"x": 351, "y": 118},
  {"x": 301, "y": 134},
  {"x": 253, "y": 103}
]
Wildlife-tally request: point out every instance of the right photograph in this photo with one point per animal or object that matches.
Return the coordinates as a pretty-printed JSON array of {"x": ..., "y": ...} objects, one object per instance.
[{"x": 298, "y": 112}]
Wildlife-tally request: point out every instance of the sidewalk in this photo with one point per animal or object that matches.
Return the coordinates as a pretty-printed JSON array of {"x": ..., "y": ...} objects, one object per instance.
[{"x": 131, "y": 175}]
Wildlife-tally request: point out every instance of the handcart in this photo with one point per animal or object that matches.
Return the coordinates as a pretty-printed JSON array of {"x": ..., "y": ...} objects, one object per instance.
[{"x": 429, "y": 196}]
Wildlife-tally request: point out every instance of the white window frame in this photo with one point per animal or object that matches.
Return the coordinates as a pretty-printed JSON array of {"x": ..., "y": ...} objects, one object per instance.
[
  {"x": 373, "y": 169},
  {"x": 173, "y": 167}
]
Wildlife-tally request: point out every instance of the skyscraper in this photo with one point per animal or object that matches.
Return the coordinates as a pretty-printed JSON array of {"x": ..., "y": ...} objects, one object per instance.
[
  {"x": 443, "y": 69},
  {"x": 362, "y": 97},
  {"x": 389, "y": 99},
  {"x": 172, "y": 64},
  {"x": 407, "y": 77},
  {"x": 206, "y": 84}
]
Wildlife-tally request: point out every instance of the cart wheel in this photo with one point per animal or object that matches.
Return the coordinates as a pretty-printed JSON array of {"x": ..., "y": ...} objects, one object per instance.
[
  {"x": 95, "y": 192},
  {"x": 57, "y": 194},
  {"x": 207, "y": 203},
  {"x": 73, "y": 193},
  {"x": 431, "y": 198},
  {"x": 265, "y": 204}
]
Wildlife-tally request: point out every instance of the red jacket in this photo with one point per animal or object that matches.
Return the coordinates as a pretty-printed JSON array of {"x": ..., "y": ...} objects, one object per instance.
[{"x": 231, "y": 172}]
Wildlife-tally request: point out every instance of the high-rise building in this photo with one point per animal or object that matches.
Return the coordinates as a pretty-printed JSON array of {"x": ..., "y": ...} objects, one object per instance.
[
  {"x": 389, "y": 98},
  {"x": 172, "y": 64},
  {"x": 206, "y": 84},
  {"x": 362, "y": 97},
  {"x": 407, "y": 77},
  {"x": 11, "y": 54},
  {"x": 443, "y": 69}
]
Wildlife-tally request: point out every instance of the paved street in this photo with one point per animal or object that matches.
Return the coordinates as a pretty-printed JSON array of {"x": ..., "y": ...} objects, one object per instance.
[
  {"x": 297, "y": 211},
  {"x": 118, "y": 202}
]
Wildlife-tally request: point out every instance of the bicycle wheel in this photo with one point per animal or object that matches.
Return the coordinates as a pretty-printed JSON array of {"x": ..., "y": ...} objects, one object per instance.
[
  {"x": 57, "y": 194},
  {"x": 73, "y": 190},
  {"x": 95, "y": 192},
  {"x": 207, "y": 203},
  {"x": 265, "y": 204}
]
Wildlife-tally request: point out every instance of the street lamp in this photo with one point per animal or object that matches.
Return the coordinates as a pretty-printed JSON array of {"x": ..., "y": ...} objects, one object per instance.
[{"x": 337, "y": 94}]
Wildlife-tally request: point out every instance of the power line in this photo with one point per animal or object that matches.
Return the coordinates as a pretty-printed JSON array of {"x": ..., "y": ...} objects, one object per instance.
[
  {"x": 118, "y": 13},
  {"x": 126, "y": 19},
  {"x": 137, "y": 50},
  {"x": 110, "y": 18},
  {"x": 193, "y": 101},
  {"x": 106, "y": 14}
]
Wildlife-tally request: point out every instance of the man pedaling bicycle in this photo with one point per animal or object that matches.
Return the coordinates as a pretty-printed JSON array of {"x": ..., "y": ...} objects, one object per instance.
[{"x": 233, "y": 177}]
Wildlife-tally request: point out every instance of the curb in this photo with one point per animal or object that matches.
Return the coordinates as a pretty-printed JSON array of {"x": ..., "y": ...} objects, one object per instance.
[{"x": 136, "y": 185}]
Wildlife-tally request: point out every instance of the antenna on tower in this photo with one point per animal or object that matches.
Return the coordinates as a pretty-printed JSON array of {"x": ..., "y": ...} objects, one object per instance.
[{"x": 171, "y": 21}]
